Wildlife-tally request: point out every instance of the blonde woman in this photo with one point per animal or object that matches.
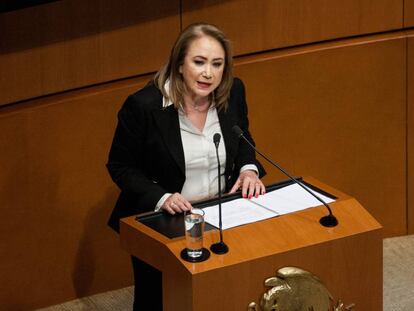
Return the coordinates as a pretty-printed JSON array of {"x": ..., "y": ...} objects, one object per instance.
[{"x": 163, "y": 155}]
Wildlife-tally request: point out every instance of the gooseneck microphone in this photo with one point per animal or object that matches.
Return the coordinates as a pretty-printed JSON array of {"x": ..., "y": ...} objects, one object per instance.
[
  {"x": 220, "y": 247},
  {"x": 326, "y": 221}
]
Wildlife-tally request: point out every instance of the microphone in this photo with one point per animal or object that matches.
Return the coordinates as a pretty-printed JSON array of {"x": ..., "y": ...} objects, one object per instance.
[
  {"x": 216, "y": 140},
  {"x": 326, "y": 221},
  {"x": 220, "y": 247}
]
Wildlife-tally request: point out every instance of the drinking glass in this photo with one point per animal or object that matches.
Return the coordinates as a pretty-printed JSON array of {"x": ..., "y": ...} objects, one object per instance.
[{"x": 194, "y": 229}]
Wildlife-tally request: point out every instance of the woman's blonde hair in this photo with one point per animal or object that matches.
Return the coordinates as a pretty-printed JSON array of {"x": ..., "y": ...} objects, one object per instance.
[{"x": 170, "y": 71}]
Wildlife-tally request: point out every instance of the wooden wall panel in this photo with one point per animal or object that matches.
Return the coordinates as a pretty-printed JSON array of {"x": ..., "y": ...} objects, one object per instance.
[
  {"x": 73, "y": 43},
  {"x": 410, "y": 133},
  {"x": 56, "y": 197},
  {"x": 408, "y": 13},
  {"x": 336, "y": 112},
  {"x": 262, "y": 25}
]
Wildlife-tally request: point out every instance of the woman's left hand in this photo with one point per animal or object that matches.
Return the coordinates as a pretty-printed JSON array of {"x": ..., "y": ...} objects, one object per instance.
[{"x": 250, "y": 184}]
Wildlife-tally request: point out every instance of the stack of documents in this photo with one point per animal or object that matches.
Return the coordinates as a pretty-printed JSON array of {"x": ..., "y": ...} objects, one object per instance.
[{"x": 278, "y": 202}]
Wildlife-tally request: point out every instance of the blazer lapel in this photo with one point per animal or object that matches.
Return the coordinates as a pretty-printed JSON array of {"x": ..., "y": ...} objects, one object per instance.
[
  {"x": 169, "y": 126},
  {"x": 230, "y": 140}
]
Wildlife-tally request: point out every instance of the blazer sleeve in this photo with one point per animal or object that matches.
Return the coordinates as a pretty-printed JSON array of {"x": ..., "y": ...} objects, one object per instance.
[{"x": 126, "y": 157}]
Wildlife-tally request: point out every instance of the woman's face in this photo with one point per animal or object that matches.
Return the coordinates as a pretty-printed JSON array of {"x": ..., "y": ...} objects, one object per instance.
[{"x": 203, "y": 67}]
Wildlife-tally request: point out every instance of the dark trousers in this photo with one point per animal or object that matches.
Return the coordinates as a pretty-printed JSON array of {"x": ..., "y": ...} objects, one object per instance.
[{"x": 148, "y": 286}]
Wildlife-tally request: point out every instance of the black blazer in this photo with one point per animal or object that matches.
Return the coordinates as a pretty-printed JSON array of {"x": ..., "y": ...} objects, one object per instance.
[{"x": 146, "y": 159}]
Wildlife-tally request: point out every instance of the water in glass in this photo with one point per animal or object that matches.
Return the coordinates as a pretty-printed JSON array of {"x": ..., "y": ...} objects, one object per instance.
[{"x": 194, "y": 227}]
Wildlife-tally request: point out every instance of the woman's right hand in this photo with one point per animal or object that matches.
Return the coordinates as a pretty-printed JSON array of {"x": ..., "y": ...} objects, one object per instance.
[{"x": 176, "y": 203}]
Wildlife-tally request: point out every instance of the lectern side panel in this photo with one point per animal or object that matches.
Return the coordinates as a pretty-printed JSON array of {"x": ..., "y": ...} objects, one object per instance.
[
  {"x": 140, "y": 242},
  {"x": 177, "y": 289},
  {"x": 350, "y": 268}
]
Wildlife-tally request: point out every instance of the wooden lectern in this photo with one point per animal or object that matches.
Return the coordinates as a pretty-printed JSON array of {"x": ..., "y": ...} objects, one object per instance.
[{"x": 347, "y": 258}]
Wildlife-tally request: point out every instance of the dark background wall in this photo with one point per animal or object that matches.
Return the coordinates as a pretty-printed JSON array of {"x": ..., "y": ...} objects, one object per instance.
[{"x": 330, "y": 86}]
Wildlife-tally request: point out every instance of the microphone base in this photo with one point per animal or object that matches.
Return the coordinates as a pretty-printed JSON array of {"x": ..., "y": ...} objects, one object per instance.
[
  {"x": 329, "y": 221},
  {"x": 219, "y": 248}
]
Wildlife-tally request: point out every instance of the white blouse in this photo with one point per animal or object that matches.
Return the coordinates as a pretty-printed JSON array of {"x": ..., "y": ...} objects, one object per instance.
[
  {"x": 201, "y": 180},
  {"x": 201, "y": 174}
]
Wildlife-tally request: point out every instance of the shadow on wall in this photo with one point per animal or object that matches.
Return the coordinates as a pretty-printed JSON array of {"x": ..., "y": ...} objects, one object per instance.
[
  {"x": 70, "y": 19},
  {"x": 92, "y": 271},
  {"x": 65, "y": 20}
]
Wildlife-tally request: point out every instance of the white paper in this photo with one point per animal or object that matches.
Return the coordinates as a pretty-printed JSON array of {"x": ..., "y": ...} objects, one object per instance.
[{"x": 282, "y": 201}]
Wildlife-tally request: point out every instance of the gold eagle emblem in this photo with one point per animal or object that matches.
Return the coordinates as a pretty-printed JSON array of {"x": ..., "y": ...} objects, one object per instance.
[{"x": 294, "y": 289}]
